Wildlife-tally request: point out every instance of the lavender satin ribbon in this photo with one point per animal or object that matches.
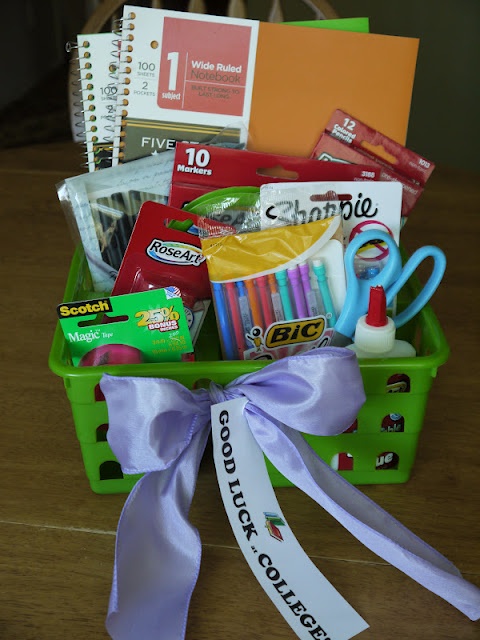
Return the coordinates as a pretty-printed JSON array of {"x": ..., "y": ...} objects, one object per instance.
[{"x": 160, "y": 428}]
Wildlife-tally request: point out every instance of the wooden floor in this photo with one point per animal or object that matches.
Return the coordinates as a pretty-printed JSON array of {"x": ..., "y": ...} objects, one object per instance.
[{"x": 57, "y": 537}]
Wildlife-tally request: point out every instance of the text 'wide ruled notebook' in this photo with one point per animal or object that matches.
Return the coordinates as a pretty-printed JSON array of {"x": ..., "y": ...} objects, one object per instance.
[{"x": 199, "y": 78}]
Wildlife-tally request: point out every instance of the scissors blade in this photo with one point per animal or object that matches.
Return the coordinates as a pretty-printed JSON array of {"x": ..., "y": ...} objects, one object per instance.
[
  {"x": 355, "y": 304},
  {"x": 340, "y": 340}
]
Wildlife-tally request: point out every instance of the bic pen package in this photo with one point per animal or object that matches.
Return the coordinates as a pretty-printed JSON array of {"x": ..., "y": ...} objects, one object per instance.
[
  {"x": 276, "y": 292},
  {"x": 102, "y": 207}
]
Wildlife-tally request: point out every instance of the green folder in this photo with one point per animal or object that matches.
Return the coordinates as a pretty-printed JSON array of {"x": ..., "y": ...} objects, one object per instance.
[{"x": 360, "y": 25}]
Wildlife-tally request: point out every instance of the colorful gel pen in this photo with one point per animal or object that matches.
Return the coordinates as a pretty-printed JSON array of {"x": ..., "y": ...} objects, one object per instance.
[
  {"x": 276, "y": 299},
  {"x": 282, "y": 280},
  {"x": 235, "y": 317},
  {"x": 223, "y": 324},
  {"x": 309, "y": 293},
  {"x": 253, "y": 300},
  {"x": 321, "y": 276},
  {"x": 244, "y": 310},
  {"x": 297, "y": 290},
  {"x": 265, "y": 300}
]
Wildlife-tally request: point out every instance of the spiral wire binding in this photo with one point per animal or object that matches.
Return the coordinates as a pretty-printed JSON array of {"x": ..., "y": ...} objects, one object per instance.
[
  {"x": 117, "y": 28},
  {"x": 113, "y": 88},
  {"x": 101, "y": 144},
  {"x": 91, "y": 108},
  {"x": 126, "y": 47},
  {"x": 77, "y": 122}
]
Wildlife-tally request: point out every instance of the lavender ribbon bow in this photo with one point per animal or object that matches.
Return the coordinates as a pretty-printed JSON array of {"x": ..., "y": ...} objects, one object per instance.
[{"x": 160, "y": 428}]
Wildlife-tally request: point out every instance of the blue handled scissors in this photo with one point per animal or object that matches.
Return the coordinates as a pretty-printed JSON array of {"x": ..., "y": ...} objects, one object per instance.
[{"x": 392, "y": 278}]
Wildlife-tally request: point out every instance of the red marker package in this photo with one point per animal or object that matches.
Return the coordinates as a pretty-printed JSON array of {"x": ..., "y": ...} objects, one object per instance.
[
  {"x": 164, "y": 250},
  {"x": 199, "y": 169},
  {"x": 347, "y": 140}
]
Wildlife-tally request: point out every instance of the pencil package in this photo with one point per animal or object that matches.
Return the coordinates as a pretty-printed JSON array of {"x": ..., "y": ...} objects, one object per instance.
[
  {"x": 276, "y": 292},
  {"x": 347, "y": 140}
]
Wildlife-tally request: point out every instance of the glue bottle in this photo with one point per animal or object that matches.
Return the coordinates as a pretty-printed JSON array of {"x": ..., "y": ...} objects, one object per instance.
[{"x": 375, "y": 332}]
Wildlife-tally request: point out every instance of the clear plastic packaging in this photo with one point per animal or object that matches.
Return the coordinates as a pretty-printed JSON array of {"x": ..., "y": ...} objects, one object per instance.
[{"x": 101, "y": 208}]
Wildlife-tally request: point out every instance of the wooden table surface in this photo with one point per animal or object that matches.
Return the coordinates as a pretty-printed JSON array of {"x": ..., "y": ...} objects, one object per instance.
[{"x": 57, "y": 537}]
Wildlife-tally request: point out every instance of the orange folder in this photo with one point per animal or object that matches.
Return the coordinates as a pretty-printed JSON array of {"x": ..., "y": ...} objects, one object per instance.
[{"x": 302, "y": 75}]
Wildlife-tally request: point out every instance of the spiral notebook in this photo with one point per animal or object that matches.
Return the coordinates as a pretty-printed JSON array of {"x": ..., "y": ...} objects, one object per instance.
[
  {"x": 199, "y": 78},
  {"x": 98, "y": 63}
]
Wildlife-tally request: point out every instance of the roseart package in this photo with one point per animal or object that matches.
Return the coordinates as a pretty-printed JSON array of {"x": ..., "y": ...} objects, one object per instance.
[
  {"x": 103, "y": 205},
  {"x": 362, "y": 206},
  {"x": 276, "y": 292},
  {"x": 199, "y": 169},
  {"x": 149, "y": 326},
  {"x": 164, "y": 250},
  {"x": 347, "y": 140}
]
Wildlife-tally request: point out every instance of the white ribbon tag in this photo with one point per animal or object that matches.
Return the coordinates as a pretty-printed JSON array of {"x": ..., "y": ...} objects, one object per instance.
[{"x": 305, "y": 598}]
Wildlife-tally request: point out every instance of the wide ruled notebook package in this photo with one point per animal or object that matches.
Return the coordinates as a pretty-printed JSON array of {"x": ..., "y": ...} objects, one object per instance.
[
  {"x": 199, "y": 78},
  {"x": 98, "y": 62}
]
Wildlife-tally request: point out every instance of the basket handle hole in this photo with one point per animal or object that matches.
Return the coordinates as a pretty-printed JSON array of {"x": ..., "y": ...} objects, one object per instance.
[
  {"x": 342, "y": 461},
  {"x": 99, "y": 397},
  {"x": 101, "y": 432},
  {"x": 393, "y": 423},
  {"x": 387, "y": 460},
  {"x": 201, "y": 383},
  {"x": 353, "y": 428},
  {"x": 398, "y": 383},
  {"x": 110, "y": 470}
]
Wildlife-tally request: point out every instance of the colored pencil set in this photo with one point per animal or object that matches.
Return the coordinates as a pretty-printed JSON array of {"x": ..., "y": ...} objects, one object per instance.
[{"x": 247, "y": 309}]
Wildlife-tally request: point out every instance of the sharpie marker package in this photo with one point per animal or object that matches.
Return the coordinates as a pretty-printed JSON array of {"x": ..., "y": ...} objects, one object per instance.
[
  {"x": 102, "y": 207},
  {"x": 164, "y": 250},
  {"x": 199, "y": 169},
  {"x": 361, "y": 205},
  {"x": 276, "y": 292},
  {"x": 347, "y": 140}
]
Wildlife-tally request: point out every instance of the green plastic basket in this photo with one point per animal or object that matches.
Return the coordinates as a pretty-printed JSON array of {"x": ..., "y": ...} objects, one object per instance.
[{"x": 380, "y": 448}]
